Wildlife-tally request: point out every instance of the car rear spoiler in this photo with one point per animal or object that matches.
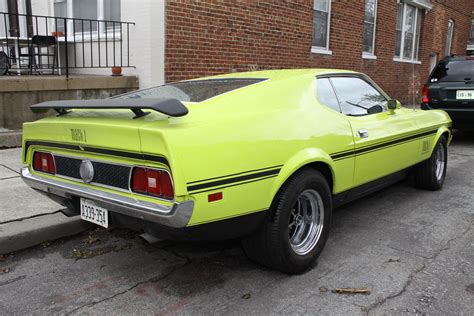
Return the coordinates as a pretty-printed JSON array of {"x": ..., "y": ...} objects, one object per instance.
[{"x": 170, "y": 107}]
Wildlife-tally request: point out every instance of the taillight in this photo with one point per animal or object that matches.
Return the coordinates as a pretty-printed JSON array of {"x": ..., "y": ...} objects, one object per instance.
[
  {"x": 44, "y": 162},
  {"x": 424, "y": 94},
  {"x": 152, "y": 182}
]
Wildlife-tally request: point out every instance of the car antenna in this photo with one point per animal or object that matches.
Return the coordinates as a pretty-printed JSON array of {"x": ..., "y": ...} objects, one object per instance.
[{"x": 413, "y": 86}]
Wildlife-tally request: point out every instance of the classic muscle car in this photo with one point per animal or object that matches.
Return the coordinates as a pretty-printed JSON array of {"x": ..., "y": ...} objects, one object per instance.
[{"x": 264, "y": 156}]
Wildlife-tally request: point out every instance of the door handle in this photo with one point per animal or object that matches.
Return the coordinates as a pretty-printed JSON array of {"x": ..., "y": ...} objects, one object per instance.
[{"x": 363, "y": 133}]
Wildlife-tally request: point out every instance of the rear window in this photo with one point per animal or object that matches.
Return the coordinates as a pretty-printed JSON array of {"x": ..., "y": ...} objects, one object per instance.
[
  {"x": 453, "y": 70},
  {"x": 192, "y": 91}
]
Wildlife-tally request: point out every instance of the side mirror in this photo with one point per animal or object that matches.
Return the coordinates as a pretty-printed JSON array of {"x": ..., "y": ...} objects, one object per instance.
[{"x": 393, "y": 105}]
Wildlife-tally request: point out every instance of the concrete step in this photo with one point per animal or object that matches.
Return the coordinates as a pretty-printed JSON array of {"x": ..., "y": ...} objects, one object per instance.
[{"x": 10, "y": 138}]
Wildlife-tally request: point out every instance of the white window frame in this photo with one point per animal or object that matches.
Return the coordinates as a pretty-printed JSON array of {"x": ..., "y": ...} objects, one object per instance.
[
  {"x": 371, "y": 55},
  {"x": 324, "y": 50},
  {"x": 416, "y": 41},
  {"x": 87, "y": 35},
  {"x": 470, "y": 43},
  {"x": 449, "y": 38}
]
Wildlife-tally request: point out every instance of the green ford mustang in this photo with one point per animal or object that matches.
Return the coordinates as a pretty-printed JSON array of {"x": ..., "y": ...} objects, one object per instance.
[{"x": 264, "y": 156}]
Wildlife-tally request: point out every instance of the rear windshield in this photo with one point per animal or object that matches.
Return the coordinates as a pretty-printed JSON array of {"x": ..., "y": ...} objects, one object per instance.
[
  {"x": 192, "y": 91},
  {"x": 454, "y": 70}
]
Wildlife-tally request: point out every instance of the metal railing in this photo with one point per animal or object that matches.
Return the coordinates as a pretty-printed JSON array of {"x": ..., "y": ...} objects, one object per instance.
[{"x": 38, "y": 44}]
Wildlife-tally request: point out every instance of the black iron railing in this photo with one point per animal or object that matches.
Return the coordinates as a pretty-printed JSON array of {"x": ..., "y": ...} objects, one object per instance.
[{"x": 37, "y": 44}]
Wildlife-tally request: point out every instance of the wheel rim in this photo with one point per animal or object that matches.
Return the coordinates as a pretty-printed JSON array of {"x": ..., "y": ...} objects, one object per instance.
[
  {"x": 440, "y": 162},
  {"x": 306, "y": 222}
]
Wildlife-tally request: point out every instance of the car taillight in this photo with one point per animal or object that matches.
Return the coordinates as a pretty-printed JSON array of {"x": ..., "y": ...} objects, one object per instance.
[
  {"x": 424, "y": 94},
  {"x": 44, "y": 162},
  {"x": 152, "y": 182}
]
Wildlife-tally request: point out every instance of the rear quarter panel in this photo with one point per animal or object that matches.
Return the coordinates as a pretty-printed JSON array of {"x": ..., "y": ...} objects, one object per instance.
[
  {"x": 272, "y": 130},
  {"x": 433, "y": 120}
]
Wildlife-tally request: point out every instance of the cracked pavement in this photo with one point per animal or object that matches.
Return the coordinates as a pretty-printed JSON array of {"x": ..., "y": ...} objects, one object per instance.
[{"x": 414, "y": 251}]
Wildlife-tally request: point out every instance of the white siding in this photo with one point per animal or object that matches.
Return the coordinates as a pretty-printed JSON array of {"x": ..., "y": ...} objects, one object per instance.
[{"x": 3, "y": 8}]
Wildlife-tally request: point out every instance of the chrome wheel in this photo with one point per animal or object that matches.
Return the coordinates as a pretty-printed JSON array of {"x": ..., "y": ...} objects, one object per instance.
[
  {"x": 440, "y": 161},
  {"x": 306, "y": 222}
]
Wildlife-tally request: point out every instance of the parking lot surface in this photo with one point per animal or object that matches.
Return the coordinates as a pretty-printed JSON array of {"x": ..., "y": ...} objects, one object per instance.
[{"x": 413, "y": 250}]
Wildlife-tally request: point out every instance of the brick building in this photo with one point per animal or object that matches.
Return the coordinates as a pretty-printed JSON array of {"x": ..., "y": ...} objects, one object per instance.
[{"x": 396, "y": 42}]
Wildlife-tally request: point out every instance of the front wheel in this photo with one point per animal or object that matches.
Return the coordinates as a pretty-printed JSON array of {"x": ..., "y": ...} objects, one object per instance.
[
  {"x": 430, "y": 174},
  {"x": 297, "y": 226}
]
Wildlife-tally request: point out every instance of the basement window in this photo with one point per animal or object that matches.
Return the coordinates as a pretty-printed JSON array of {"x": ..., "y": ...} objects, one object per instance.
[{"x": 449, "y": 38}]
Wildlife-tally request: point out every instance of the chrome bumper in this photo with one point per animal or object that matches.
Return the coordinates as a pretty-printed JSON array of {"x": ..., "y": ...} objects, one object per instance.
[{"x": 177, "y": 215}]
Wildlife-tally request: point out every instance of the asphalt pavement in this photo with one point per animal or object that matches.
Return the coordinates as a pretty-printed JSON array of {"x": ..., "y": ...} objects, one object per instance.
[{"x": 413, "y": 251}]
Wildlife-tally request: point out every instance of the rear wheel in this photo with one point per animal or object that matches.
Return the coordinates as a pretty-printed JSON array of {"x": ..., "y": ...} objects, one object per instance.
[
  {"x": 294, "y": 233},
  {"x": 430, "y": 174}
]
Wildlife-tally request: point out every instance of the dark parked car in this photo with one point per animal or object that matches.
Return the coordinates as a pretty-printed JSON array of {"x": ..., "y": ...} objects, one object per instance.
[{"x": 450, "y": 87}]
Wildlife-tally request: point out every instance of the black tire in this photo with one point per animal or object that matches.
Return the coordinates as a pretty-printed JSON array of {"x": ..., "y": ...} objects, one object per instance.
[
  {"x": 429, "y": 175},
  {"x": 271, "y": 246}
]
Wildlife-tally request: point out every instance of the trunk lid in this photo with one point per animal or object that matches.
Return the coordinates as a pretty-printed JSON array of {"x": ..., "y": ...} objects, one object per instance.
[
  {"x": 444, "y": 95},
  {"x": 97, "y": 131}
]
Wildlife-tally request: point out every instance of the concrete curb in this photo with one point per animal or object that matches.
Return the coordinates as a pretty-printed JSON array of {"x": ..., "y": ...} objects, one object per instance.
[
  {"x": 10, "y": 139},
  {"x": 30, "y": 232}
]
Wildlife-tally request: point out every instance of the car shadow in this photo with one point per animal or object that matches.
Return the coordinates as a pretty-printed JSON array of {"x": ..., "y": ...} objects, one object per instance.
[{"x": 462, "y": 137}]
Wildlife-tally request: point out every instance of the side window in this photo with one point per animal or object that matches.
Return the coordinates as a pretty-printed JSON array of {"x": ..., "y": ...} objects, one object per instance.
[
  {"x": 326, "y": 95},
  {"x": 357, "y": 96}
]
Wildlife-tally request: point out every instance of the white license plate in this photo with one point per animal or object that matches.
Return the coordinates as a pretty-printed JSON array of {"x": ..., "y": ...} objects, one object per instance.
[
  {"x": 465, "y": 94},
  {"x": 93, "y": 213}
]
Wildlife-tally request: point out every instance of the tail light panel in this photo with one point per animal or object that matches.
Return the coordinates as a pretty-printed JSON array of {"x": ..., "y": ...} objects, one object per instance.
[
  {"x": 425, "y": 94},
  {"x": 152, "y": 182},
  {"x": 44, "y": 162}
]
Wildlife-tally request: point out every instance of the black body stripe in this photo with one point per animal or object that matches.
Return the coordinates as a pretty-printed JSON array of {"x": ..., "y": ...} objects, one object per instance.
[
  {"x": 233, "y": 185},
  {"x": 110, "y": 152},
  {"x": 235, "y": 174},
  {"x": 233, "y": 180},
  {"x": 362, "y": 150}
]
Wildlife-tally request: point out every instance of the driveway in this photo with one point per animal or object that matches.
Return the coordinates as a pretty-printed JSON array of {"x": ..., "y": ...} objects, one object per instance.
[{"x": 412, "y": 249}]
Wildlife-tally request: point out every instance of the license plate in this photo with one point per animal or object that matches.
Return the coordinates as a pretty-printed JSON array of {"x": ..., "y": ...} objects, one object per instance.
[
  {"x": 465, "y": 94},
  {"x": 93, "y": 213}
]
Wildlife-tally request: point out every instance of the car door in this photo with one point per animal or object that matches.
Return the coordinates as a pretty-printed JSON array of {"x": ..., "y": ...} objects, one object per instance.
[{"x": 384, "y": 141}]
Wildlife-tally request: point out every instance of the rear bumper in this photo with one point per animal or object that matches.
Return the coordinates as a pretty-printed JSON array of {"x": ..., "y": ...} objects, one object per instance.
[
  {"x": 177, "y": 215},
  {"x": 462, "y": 118}
]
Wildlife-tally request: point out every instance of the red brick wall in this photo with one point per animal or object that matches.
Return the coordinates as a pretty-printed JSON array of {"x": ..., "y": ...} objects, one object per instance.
[{"x": 219, "y": 36}]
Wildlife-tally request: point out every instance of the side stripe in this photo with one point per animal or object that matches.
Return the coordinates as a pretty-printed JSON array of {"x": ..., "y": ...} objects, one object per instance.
[
  {"x": 232, "y": 180},
  {"x": 370, "y": 148},
  {"x": 233, "y": 185},
  {"x": 234, "y": 174}
]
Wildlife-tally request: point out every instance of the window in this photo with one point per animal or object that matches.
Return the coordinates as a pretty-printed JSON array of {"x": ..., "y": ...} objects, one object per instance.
[
  {"x": 108, "y": 10},
  {"x": 471, "y": 37},
  {"x": 192, "y": 91},
  {"x": 453, "y": 70},
  {"x": 407, "y": 32},
  {"x": 369, "y": 27},
  {"x": 357, "y": 96},
  {"x": 326, "y": 95},
  {"x": 112, "y": 10},
  {"x": 321, "y": 19},
  {"x": 84, "y": 9},
  {"x": 449, "y": 38}
]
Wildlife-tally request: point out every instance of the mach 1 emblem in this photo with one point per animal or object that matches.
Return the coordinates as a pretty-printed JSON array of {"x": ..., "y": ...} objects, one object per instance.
[{"x": 78, "y": 135}]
